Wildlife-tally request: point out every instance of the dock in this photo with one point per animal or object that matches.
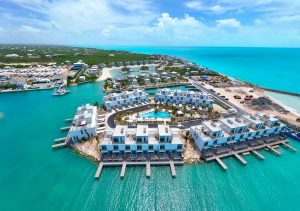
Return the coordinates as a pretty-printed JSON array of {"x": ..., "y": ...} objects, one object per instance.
[
  {"x": 123, "y": 170},
  {"x": 275, "y": 151},
  {"x": 56, "y": 146},
  {"x": 221, "y": 163},
  {"x": 65, "y": 128},
  {"x": 173, "y": 171},
  {"x": 147, "y": 164},
  {"x": 148, "y": 169},
  {"x": 260, "y": 156},
  {"x": 60, "y": 139},
  {"x": 99, "y": 170},
  {"x": 290, "y": 147},
  {"x": 243, "y": 161}
]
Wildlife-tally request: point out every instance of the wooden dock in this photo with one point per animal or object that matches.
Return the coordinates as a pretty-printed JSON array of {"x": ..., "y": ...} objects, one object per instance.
[
  {"x": 99, "y": 170},
  {"x": 173, "y": 171},
  {"x": 56, "y": 146},
  {"x": 148, "y": 169},
  {"x": 221, "y": 163},
  {"x": 123, "y": 170},
  {"x": 260, "y": 156},
  {"x": 65, "y": 128},
  {"x": 243, "y": 161}
]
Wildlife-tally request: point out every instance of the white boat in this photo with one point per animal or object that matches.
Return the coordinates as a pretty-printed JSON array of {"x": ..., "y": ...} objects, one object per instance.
[{"x": 60, "y": 91}]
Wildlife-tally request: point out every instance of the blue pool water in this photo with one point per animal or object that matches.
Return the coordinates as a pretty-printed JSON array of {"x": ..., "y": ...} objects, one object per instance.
[{"x": 153, "y": 114}]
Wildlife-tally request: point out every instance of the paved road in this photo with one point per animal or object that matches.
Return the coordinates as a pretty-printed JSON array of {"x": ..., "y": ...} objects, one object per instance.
[{"x": 217, "y": 97}]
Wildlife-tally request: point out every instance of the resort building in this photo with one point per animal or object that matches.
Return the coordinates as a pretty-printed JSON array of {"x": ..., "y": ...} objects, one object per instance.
[
  {"x": 142, "y": 140},
  {"x": 84, "y": 125},
  {"x": 232, "y": 130},
  {"x": 126, "y": 98},
  {"x": 184, "y": 97}
]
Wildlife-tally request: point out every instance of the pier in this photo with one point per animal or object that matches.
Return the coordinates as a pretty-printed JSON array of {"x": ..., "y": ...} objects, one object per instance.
[
  {"x": 60, "y": 139},
  {"x": 123, "y": 170},
  {"x": 65, "y": 128},
  {"x": 248, "y": 149},
  {"x": 243, "y": 161},
  {"x": 290, "y": 147},
  {"x": 60, "y": 145},
  {"x": 147, "y": 164},
  {"x": 148, "y": 169},
  {"x": 221, "y": 163},
  {"x": 173, "y": 171},
  {"x": 260, "y": 156}
]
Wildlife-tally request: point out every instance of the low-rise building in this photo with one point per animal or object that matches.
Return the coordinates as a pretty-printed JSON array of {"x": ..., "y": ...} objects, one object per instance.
[
  {"x": 142, "y": 140},
  {"x": 126, "y": 98},
  {"x": 84, "y": 125},
  {"x": 212, "y": 134},
  {"x": 184, "y": 97}
]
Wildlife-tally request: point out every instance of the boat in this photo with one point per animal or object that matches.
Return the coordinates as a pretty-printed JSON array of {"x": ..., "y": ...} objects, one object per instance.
[
  {"x": 292, "y": 134},
  {"x": 60, "y": 91}
]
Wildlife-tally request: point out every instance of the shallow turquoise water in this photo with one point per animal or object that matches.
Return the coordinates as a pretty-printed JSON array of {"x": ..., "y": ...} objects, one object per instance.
[
  {"x": 158, "y": 114},
  {"x": 35, "y": 177},
  {"x": 276, "y": 68}
]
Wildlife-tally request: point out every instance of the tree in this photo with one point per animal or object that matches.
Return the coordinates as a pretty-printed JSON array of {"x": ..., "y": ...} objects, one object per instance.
[{"x": 144, "y": 68}]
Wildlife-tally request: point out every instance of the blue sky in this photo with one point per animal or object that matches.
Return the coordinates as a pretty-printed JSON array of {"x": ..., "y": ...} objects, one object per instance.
[{"x": 269, "y": 23}]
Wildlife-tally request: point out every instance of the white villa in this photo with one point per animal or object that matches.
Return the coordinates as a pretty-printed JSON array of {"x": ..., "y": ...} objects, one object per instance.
[
  {"x": 231, "y": 130},
  {"x": 184, "y": 97},
  {"x": 84, "y": 123},
  {"x": 126, "y": 98},
  {"x": 142, "y": 140}
]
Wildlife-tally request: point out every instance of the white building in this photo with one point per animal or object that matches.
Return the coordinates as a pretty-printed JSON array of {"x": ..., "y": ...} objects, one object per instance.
[
  {"x": 184, "y": 97},
  {"x": 142, "y": 140},
  {"x": 118, "y": 100},
  {"x": 84, "y": 125},
  {"x": 231, "y": 130}
]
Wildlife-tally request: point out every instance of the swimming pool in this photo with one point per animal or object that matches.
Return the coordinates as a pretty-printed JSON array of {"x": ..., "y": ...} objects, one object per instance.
[{"x": 155, "y": 115}]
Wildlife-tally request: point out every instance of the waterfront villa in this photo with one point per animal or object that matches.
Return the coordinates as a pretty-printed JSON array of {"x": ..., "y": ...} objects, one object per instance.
[
  {"x": 126, "y": 98},
  {"x": 84, "y": 124},
  {"x": 142, "y": 140},
  {"x": 232, "y": 130},
  {"x": 184, "y": 97}
]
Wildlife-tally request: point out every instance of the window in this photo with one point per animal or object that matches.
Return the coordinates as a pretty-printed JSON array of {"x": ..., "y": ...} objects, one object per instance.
[
  {"x": 151, "y": 147},
  {"x": 139, "y": 147},
  {"x": 104, "y": 148},
  {"x": 162, "y": 146},
  {"x": 127, "y": 147},
  {"x": 179, "y": 146},
  {"x": 115, "y": 147}
]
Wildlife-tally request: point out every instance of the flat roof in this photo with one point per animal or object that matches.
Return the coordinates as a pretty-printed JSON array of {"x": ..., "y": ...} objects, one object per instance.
[
  {"x": 213, "y": 126},
  {"x": 142, "y": 130},
  {"x": 120, "y": 130},
  {"x": 253, "y": 119},
  {"x": 164, "y": 130}
]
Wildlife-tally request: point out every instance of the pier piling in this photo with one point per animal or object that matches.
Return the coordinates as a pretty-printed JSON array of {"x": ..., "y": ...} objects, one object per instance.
[
  {"x": 275, "y": 151},
  {"x": 60, "y": 139},
  {"x": 55, "y": 146},
  {"x": 65, "y": 128}
]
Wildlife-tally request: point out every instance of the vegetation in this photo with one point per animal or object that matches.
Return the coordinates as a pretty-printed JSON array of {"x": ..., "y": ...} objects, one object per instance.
[
  {"x": 107, "y": 83},
  {"x": 144, "y": 68},
  {"x": 140, "y": 81},
  {"x": 7, "y": 85},
  {"x": 60, "y": 54},
  {"x": 125, "y": 69}
]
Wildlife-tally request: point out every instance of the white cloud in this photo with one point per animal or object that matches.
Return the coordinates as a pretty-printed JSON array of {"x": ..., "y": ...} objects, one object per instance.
[
  {"x": 29, "y": 28},
  {"x": 231, "y": 22}
]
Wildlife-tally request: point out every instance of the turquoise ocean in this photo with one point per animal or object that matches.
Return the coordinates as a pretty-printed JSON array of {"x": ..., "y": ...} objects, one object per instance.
[{"x": 35, "y": 177}]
